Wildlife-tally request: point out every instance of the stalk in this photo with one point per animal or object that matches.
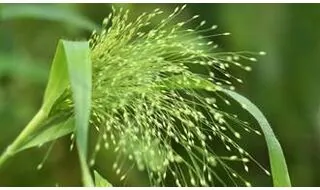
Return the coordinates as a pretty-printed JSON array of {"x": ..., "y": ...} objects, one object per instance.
[{"x": 32, "y": 126}]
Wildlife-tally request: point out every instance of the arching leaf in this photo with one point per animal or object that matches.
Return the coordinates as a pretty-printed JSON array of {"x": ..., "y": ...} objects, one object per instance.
[{"x": 278, "y": 164}]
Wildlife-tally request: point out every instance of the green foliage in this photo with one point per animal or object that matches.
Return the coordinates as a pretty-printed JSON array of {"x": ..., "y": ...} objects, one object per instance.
[
  {"x": 22, "y": 66},
  {"x": 278, "y": 164},
  {"x": 51, "y": 131},
  {"x": 99, "y": 181},
  {"x": 76, "y": 58},
  {"x": 71, "y": 66},
  {"x": 144, "y": 100},
  {"x": 45, "y": 12}
]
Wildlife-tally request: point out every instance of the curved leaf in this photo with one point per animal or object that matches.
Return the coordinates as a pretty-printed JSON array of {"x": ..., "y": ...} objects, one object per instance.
[
  {"x": 278, "y": 164},
  {"x": 71, "y": 67},
  {"x": 46, "y": 12},
  {"x": 51, "y": 133},
  {"x": 99, "y": 181},
  {"x": 79, "y": 69},
  {"x": 58, "y": 78}
]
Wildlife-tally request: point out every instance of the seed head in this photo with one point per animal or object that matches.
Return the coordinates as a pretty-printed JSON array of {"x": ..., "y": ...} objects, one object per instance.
[{"x": 152, "y": 108}]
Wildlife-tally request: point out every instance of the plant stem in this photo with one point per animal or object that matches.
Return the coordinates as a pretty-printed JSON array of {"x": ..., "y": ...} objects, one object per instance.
[{"x": 32, "y": 126}]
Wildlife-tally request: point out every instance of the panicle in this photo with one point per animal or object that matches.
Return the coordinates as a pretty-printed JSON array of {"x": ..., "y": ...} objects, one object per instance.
[{"x": 154, "y": 110}]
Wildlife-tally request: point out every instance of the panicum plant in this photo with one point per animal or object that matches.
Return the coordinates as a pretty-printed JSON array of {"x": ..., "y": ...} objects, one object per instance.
[{"x": 154, "y": 107}]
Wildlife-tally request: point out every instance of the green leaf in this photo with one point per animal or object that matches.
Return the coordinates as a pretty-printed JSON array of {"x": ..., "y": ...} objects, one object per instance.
[
  {"x": 58, "y": 78},
  {"x": 80, "y": 80},
  {"x": 21, "y": 65},
  {"x": 50, "y": 133},
  {"x": 79, "y": 67},
  {"x": 99, "y": 181},
  {"x": 69, "y": 60},
  {"x": 71, "y": 67},
  {"x": 46, "y": 12},
  {"x": 278, "y": 164}
]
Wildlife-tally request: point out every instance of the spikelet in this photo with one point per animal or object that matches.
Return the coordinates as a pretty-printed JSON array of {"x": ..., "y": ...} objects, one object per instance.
[{"x": 152, "y": 109}]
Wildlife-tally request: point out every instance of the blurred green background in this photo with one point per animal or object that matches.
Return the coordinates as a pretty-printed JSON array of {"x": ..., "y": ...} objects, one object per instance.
[{"x": 284, "y": 84}]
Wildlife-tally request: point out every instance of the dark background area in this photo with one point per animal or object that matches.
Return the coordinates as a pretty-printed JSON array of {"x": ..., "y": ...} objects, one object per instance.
[{"x": 284, "y": 84}]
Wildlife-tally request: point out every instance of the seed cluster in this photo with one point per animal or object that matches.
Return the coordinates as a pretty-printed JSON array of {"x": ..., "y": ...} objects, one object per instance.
[{"x": 153, "y": 109}]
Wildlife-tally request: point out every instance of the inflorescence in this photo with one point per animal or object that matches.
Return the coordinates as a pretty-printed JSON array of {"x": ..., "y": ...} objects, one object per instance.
[{"x": 154, "y": 110}]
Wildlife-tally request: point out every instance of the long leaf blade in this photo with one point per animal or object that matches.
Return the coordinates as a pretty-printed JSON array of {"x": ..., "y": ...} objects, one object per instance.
[
  {"x": 72, "y": 65},
  {"x": 79, "y": 67},
  {"x": 58, "y": 79},
  {"x": 46, "y": 12},
  {"x": 278, "y": 164},
  {"x": 51, "y": 133}
]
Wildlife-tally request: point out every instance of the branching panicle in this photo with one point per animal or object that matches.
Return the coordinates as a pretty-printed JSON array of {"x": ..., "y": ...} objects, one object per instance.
[{"x": 153, "y": 109}]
